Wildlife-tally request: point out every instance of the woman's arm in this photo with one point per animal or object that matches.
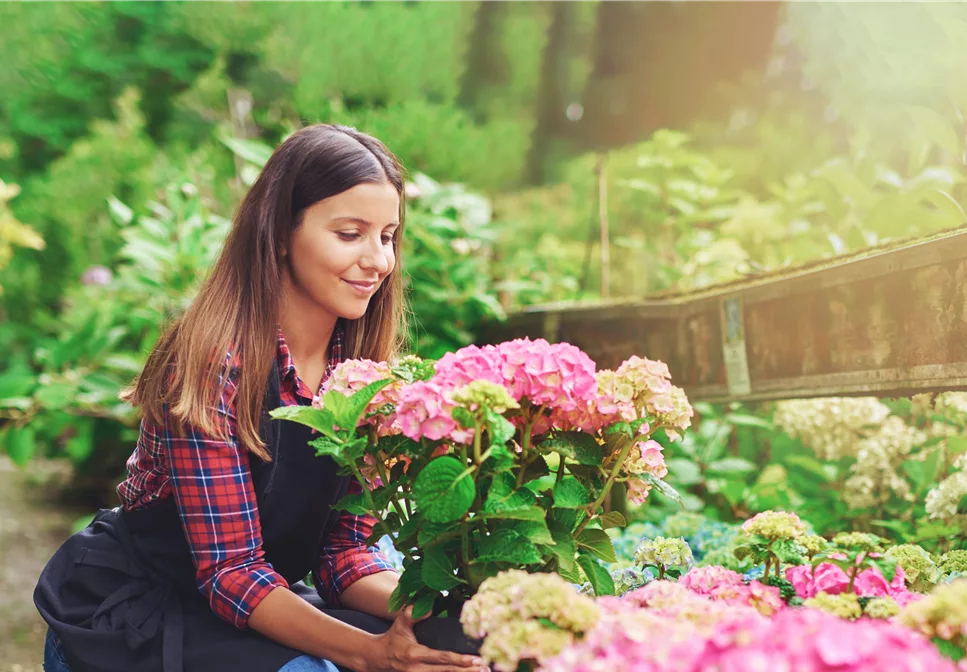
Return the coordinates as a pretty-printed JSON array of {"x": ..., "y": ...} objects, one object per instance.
[
  {"x": 286, "y": 618},
  {"x": 371, "y": 594}
]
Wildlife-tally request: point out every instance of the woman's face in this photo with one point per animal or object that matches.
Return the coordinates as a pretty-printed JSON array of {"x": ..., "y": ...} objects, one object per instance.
[{"x": 343, "y": 251}]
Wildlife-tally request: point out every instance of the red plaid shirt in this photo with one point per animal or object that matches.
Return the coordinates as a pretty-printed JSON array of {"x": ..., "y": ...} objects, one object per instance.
[{"x": 212, "y": 486}]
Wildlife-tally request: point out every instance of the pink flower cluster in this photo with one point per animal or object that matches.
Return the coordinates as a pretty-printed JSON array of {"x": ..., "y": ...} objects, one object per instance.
[
  {"x": 830, "y": 579},
  {"x": 719, "y": 583},
  {"x": 353, "y": 375},
  {"x": 558, "y": 376},
  {"x": 425, "y": 410},
  {"x": 804, "y": 640}
]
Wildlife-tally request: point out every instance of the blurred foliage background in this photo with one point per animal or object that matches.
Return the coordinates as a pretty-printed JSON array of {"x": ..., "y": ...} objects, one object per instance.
[{"x": 716, "y": 139}]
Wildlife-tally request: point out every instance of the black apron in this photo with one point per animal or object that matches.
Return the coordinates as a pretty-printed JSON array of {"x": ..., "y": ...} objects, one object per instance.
[{"x": 121, "y": 594}]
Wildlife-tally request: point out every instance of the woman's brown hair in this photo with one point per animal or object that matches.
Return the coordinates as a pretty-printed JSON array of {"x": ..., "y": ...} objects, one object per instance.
[{"x": 238, "y": 307}]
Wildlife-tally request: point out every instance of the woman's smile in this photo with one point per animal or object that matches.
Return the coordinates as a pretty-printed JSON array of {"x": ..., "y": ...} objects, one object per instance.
[{"x": 364, "y": 287}]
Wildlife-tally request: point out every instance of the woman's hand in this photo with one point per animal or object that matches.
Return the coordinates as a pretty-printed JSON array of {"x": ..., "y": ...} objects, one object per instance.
[{"x": 398, "y": 651}]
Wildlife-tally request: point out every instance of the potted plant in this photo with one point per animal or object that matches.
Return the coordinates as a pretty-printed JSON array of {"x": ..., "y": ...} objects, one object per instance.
[{"x": 494, "y": 458}]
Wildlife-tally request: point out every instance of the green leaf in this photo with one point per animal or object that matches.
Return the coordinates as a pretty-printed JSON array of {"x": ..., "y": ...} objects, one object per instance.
[
  {"x": 56, "y": 395},
  {"x": 684, "y": 471},
  {"x": 430, "y": 532},
  {"x": 611, "y": 519},
  {"x": 500, "y": 460},
  {"x": 577, "y": 446},
  {"x": 348, "y": 410},
  {"x": 662, "y": 487},
  {"x": 745, "y": 420},
  {"x": 564, "y": 547},
  {"x": 254, "y": 152},
  {"x": 949, "y": 649},
  {"x": 80, "y": 446},
  {"x": 732, "y": 465},
  {"x": 598, "y": 543},
  {"x": 535, "y": 530},
  {"x": 21, "y": 444},
  {"x": 355, "y": 504},
  {"x": 321, "y": 420},
  {"x": 566, "y": 517},
  {"x": 501, "y": 429},
  {"x": 571, "y": 494},
  {"x": 619, "y": 428},
  {"x": 423, "y": 605},
  {"x": 600, "y": 578},
  {"x": 510, "y": 547},
  {"x": 444, "y": 491},
  {"x": 411, "y": 581},
  {"x": 438, "y": 568},
  {"x": 531, "y": 513},
  {"x": 326, "y": 447}
]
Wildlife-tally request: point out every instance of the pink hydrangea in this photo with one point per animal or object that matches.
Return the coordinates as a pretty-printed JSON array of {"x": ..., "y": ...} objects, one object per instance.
[
  {"x": 352, "y": 375},
  {"x": 809, "y": 640},
  {"x": 424, "y": 410},
  {"x": 742, "y": 640},
  {"x": 456, "y": 369},
  {"x": 719, "y": 583},
  {"x": 559, "y": 376},
  {"x": 831, "y": 579}
]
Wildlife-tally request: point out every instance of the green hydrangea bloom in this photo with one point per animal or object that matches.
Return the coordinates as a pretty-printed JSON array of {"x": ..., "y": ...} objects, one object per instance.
[
  {"x": 775, "y": 525},
  {"x": 953, "y": 562},
  {"x": 882, "y": 607},
  {"x": 683, "y": 524},
  {"x": 861, "y": 541},
  {"x": 920, "y": 569},
  {"x": 844, "y": 605},
  {"x": 664, "y": 553},
  {"x": 484, "y": 394},
  {"x": 813, "y": 543}
]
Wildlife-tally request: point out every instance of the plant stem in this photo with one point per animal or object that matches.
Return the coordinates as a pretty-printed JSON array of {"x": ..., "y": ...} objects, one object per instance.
[
  {"x": 372, "y": 507},
  {"x": 476, "y": 442},
  {"x": 591, "y": 508},
  {"x": 384, "y": 477},
  {"x": 560, "y": 469},
  {"x": 465, "y": 547}
]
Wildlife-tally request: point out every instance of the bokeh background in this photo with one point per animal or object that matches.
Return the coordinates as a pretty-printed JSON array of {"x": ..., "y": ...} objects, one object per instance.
[{"x": 716, "y": 139}]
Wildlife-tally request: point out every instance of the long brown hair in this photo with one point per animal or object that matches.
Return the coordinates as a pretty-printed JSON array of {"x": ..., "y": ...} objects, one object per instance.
[{"x": 238, "y": 307}]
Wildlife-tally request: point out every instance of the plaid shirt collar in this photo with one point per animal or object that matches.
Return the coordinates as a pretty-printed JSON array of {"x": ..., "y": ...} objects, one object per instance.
[{"x": 336, "y": 356}]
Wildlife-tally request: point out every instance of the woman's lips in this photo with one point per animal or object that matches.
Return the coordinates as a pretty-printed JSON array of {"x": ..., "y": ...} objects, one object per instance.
[{"x": 362, "y": 287}]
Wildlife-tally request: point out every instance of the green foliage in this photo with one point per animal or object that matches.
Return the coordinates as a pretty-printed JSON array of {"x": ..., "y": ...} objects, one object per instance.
[{"x": 64, "y": 390}]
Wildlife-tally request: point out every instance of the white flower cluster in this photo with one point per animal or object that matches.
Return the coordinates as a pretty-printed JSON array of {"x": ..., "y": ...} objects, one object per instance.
[
  {"x": 874, "y": 476},
  {"x": 832, "y": 426},
  {"x": 943, "y": 500}
]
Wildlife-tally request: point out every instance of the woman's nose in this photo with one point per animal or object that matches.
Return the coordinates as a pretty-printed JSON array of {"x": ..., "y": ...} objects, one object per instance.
[{"x": 375, "y": 257}]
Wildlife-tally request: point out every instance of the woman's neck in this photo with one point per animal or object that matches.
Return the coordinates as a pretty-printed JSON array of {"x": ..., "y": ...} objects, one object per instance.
[{"x": 307, "y": 334}]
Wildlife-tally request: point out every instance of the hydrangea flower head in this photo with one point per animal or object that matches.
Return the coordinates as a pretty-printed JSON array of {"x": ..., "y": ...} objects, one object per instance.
[
  {"x": 942, "y": 613},
  {"x": 918, "y": 567},
  {"x": 860, "y": 541},
  {"x": 775, "y": 525},
  {"x": 352, "y": 375},
  {"x": 664, "y": 552},
  {"x": 953, "y": 562},
  {"x": 526, "y": 617},
  {"x": 484, "y": 394},
  {"x": 843, "y": 605},
  {"x": 559, "y": 376},
  {"x": 883, "y": 608},
  {"x": 813, "y": 544},
  {"x": 425, "y": 410}
]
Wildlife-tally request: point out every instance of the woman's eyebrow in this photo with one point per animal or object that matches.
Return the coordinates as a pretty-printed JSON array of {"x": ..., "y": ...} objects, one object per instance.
[{"x": 361, "y": 221}]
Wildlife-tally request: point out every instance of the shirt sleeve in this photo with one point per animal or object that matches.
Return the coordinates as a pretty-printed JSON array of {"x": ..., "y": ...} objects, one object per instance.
[
  {"x": 345, "y": 558},
  {"x": 212, "y": 486}
]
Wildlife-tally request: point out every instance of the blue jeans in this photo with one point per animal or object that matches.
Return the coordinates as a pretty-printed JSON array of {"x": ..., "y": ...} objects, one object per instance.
[
  {"x": 308, "y": 664},
  {"x": 54, "y": 660}
]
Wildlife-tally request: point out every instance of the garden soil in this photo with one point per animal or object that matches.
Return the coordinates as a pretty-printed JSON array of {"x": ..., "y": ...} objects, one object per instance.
[{"x": 31, "y": 529}]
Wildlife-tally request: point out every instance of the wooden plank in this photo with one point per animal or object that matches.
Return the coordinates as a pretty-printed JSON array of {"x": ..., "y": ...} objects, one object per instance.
[{"x": 884, "y": 322}]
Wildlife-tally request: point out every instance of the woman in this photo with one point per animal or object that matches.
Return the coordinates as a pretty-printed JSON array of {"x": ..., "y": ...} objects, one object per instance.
[{"x": 225, "y": 510}]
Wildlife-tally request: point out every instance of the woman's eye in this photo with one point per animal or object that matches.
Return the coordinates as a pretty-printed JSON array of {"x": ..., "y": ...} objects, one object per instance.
[
  {"x": 347, "y": 235},
  {"x": 388, "y": 239}
]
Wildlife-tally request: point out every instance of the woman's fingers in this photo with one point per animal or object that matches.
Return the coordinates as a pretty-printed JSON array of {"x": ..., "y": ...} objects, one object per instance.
[{"x": 437, "y": 658}]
